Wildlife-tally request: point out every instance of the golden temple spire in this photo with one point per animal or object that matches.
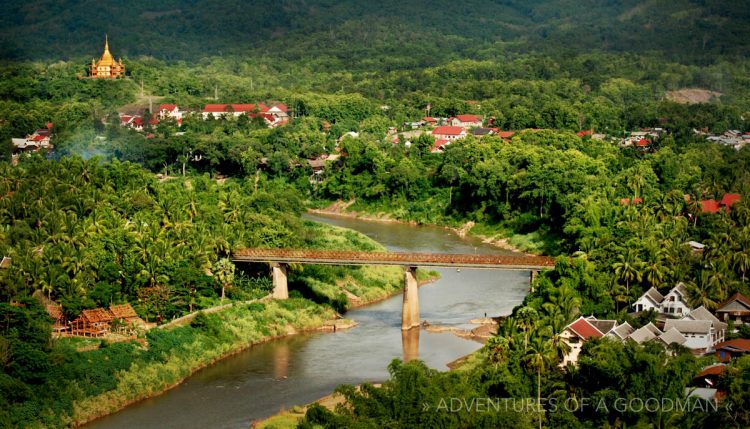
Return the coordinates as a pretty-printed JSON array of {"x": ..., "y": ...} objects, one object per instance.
[{"x": 107, "y": 59}]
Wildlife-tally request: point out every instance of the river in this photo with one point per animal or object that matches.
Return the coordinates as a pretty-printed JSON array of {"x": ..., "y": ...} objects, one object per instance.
[{"x": 277, "y": 375}]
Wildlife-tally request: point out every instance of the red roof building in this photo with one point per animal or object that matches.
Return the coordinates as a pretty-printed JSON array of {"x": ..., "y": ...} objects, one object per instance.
[
  {"x": 167, "y": 107},
  {"x": 729, "y": 199},
  {"x": 585, "y": 133},
  {"x": 584, "y": 329},
  {"x": 709, "y": 206},
  {"x": 505, "y": 134},
  {"x": 643, "y": 142},
  {"x": 466, "y": 121},
  {"x": 449, "y": 132},
  {"x": 732, "y": 349},
  {"x": 736, "y": 308}
]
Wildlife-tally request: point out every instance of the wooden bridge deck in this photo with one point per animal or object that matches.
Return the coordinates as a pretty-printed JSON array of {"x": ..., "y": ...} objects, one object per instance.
[{"x": 341, "y": 257}]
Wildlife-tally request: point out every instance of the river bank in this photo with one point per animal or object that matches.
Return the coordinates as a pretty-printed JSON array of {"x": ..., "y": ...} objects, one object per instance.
[
  {"x": 341, "y": 209},
  {"x": 240, "y": 331},
  {"x": 203, "y": 338}
]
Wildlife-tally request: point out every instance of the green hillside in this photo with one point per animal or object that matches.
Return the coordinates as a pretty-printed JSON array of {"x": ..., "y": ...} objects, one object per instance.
[{"x": 404, "y": 33}]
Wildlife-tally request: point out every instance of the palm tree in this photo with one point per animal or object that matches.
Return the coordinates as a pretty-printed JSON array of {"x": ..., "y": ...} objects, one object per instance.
[
  {"x": 628, "y": 267},
  {"x": 741, "y": 262},
  {"x": 539, "y": 355},
  {"x": 224, "y": 272},
  {"x": 526, "y": 318}
]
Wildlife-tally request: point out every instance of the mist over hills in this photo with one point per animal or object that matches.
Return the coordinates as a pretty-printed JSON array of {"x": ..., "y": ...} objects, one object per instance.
[{"x": 405, "y": 34}]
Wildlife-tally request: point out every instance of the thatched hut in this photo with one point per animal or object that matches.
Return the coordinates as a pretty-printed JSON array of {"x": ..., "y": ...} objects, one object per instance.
[
  {"x": 92, "y": 323},
  {"x": 60, "y": 325}
]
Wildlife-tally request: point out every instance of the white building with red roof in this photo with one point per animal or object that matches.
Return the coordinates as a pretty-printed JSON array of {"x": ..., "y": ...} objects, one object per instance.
[
  {"x": 466, "y": 121},
  {"x": 447, "y": 132},
  {"x": 233, "y": 110},
  {"x": 577, "y": 333},
  {"x": 169, "y": 111}
]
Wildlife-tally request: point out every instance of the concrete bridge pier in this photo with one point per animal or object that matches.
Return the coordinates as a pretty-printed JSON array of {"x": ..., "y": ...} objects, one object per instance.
[
  {"x": 410, "y": 309},
  {"x": 279, "y": 274}
]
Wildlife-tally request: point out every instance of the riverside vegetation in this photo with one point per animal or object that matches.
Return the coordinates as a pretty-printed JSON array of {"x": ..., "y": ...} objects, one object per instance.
[{"x": 87, "y": 232}]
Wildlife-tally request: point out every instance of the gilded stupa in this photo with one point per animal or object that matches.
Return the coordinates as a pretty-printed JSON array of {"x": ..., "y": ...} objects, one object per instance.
[{"x": 106, "y": 67}]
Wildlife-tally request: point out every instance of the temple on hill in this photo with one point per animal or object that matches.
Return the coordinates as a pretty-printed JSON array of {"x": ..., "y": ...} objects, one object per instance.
[{"x": 106, "y": 67}]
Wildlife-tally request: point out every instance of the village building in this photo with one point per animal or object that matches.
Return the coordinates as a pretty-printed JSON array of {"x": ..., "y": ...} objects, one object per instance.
[
  {"x": 719, "y": 328},
  {"x": 620, "y": 332},
  {"x": 481, "y": 132},
  {"x": 671, "y": 336},
  {"x": 274, "y": 116},
  {"x": 644, "y": 333},
  {"x": 726, "y": 203},
  {"x": 732, "y": 349},
  {"x": 675, "y": 302},
  {"x": 583, "y": 329},
  {"x": 447, "y": 132},
  {"x": 699, "y": 333},
  {"x": 35, "y": 142},
  {"x": 106, "y": 67},
  {"x": 709, "y": 376},
  {"x": 170, "y": 111},
  {"x": 465, "y": 121},
  {"x": 736, "y": 309},
  {"x": 439, "y": 145},
  {"x": 92, "y": 323}
]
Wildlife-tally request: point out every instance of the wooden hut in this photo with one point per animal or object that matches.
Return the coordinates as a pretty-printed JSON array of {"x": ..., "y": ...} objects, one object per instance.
[
  {"x": 55, "y": 311},
  {"x": 92, "y": 323},
  {"x": 126, "y": 314}
]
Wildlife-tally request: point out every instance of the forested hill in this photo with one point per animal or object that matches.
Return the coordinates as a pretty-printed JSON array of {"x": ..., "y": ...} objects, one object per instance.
[{"x": 409, "y": 33}]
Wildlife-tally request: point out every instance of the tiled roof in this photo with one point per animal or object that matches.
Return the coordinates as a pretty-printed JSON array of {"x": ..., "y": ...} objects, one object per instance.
[
  {"x": 604, "y": 326},
  {"x": 672, "y": 336},
  {"x": 446, "y": 130},
  {"x": 738, "y": 344},
  {"x": 701, "y": 313},
  {"x": 167, "y": 107},
  {"x": 736, "y": 297},
  {"x": 717, "y": 369},
  {"x": 622, "y": 331},
  {"x": 709, "y": 206},
  {"x": 643, "y": 334},
  {"x": 468, "y": 118},
  {"x": 730, "y": 199},
  {"x": 654, "y": 295},
  {"x": 124, "y": 311},
  {"x": 584, "y": 329},
  {"x": 689, "y": 326}
]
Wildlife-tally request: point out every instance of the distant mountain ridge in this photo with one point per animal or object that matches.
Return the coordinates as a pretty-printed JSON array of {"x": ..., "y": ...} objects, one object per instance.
[{"x": 354, "y": 30}]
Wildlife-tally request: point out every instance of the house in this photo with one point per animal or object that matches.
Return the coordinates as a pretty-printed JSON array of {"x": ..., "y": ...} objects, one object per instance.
[
  {"x": 732, "y": 349},
  {"x": 644, "y": 333},
  {"x": 584, "y": 133},
  {"x": 574, "y": 335},
  {"x": 728, "y": 200},
  {"x": 621, "y": 332},
  {"x": 719, "y": 327},
  {"x": 699, "y": 333},
  {"x": 696, "y": 247},
  {"x": 651, "y": 300},
  {"x": 279, "y": 111},
  {"x": 709, "y": 206},
  {"x": 481, "y": 132},
  {"x": 465, "y": 121},
  {"x": 440, "y": 145},
  {"x": 447, "y": 132},
  {"x": 505, "y": 135},
  {"x": 33, "y": 142},
  {"x": 169, "y": 111},
  {"x": 59, "y": 325},
  {"x": 92, "y": 323},
  {"x": 232, "y": 110},
  {"x": 675, "y": 301},
  {"x": 672, "y": 336},
  {"x": 736, "y": 308},
  {"x": 709, "y": 376},
  {"x": 429, "y": 120}
]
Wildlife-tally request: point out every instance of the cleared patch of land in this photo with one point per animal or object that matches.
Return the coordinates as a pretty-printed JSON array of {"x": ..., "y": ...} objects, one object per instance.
[{"x": 693, "y": 96}]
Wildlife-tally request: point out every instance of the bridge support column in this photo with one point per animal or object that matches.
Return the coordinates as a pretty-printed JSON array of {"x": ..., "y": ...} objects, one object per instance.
[
  {"x": 410, "y": 309},
  {"x": 279, "y": 273}
]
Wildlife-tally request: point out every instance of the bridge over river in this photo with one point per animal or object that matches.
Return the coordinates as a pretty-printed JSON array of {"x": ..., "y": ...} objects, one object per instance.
[{"x": 281, "y": 258}]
